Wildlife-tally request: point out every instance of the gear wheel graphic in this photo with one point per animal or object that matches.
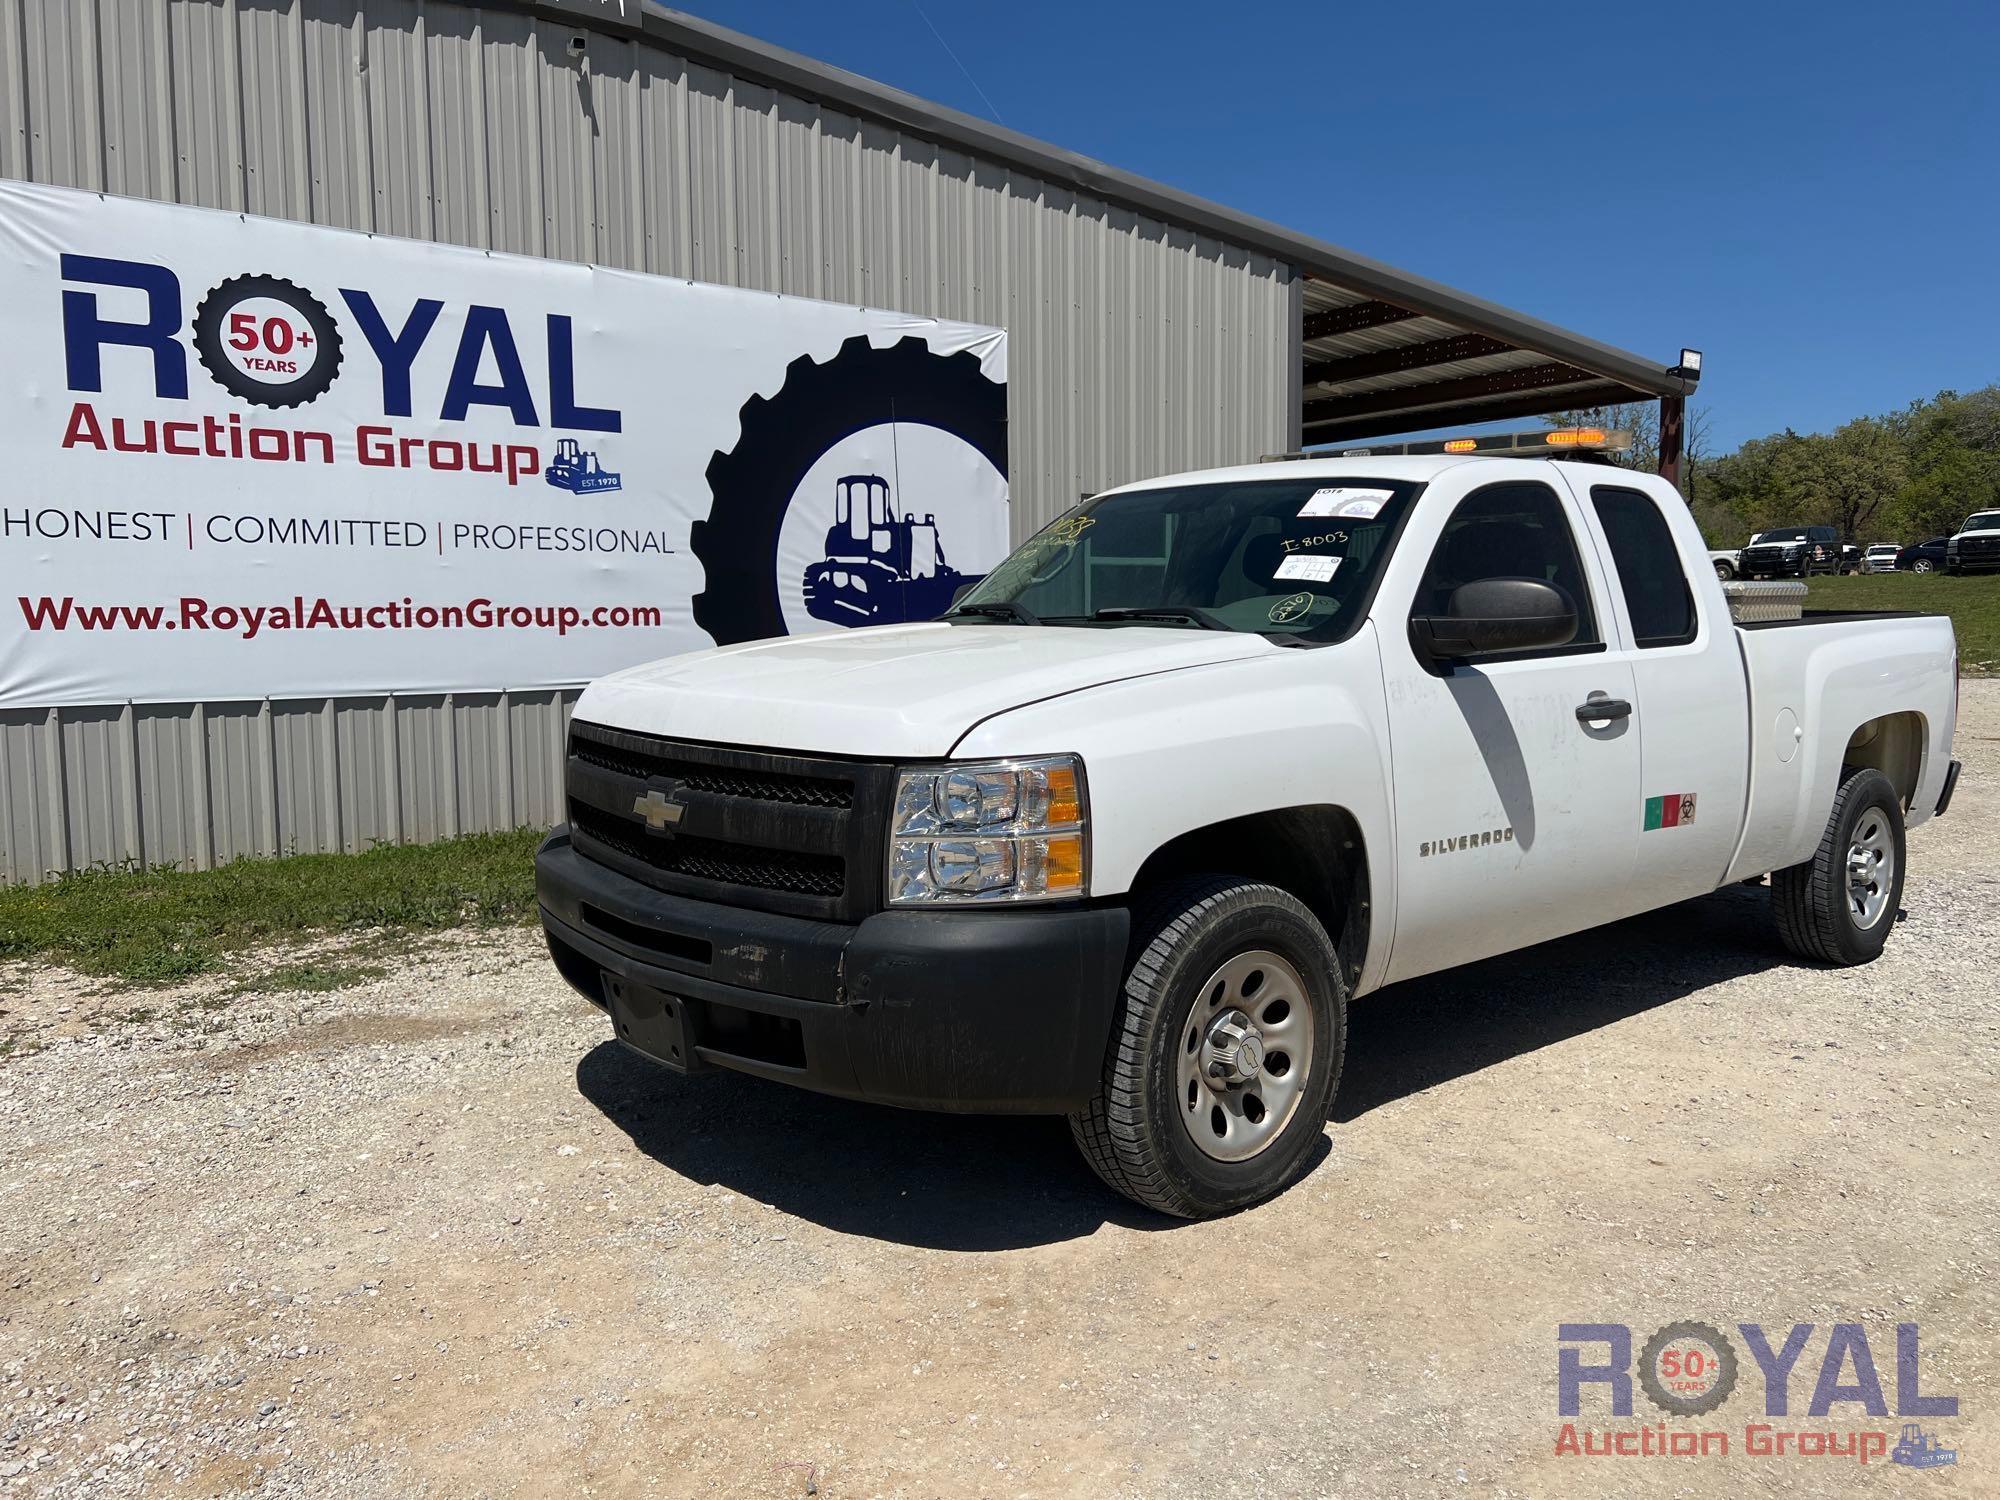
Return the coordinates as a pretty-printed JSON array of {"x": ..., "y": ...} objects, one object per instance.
[
  {"x": 1688, "y": 1331},
  {"x": 782, "y": 437},
  {"x": 211, "y": 327}
]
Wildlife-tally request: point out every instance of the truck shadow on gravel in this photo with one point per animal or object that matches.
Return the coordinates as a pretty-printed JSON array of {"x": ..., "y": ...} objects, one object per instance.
[
  {"x": 1423, "y": 1032},
  {"x": 957, "y": 1182},
  {"x": 943, "y": 1182}
]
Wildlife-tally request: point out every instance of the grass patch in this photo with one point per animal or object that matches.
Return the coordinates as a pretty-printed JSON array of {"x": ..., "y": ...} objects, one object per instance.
[
  {"x": 1973, "y": 602},
  {"x": 153, "y": 927},
  {"x": 315, "y": 977}
]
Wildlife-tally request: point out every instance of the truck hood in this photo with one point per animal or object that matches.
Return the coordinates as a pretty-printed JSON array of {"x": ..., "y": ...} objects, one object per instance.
[{"x": 892, "y": 690}]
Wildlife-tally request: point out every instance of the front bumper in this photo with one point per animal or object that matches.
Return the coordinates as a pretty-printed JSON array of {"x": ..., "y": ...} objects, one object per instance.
[{"x": 974, "y": 1011}]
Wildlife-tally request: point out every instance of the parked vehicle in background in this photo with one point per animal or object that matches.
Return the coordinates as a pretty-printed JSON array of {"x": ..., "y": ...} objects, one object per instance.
[
  {"x": 1881, "y": 557},
  {"x": 1792, "y": 552},
  {"x": 1120, "y": 836},
  {"x": 1924, "y": 557},
  {"x": 1976, "y": 548},
  {"x": 1726, "y": 561},
  {"x": 1850, "y": 558}
]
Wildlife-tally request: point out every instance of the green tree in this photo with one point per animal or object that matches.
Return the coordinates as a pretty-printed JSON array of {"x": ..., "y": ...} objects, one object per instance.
[{"x": 1953, "y": 443}]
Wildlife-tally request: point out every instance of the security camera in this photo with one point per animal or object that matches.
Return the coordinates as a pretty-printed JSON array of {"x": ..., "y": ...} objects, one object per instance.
[{"x": 577, "y": 43}]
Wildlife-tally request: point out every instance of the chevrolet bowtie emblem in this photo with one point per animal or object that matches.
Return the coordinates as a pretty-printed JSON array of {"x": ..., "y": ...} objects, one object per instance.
[{"x": 659, "y": 813}]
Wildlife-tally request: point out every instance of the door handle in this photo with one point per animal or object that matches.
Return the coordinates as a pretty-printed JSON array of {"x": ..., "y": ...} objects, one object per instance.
[{"x": 1594, "y": 710}]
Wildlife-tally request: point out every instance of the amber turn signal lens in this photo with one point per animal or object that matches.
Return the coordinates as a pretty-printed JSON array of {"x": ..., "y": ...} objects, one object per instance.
[
  {"x": 1064, "y": 862},
  {"x": 1065, "y": 806}
]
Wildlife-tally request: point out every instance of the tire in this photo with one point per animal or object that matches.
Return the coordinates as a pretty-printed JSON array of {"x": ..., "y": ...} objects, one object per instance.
[
  {"x": 783, "y": 436},
  {"x": 1815, "y": 903},
  {"x": 211, "y": 327},
  {"x": 1923, "y": 565},
  {"x": 1724, "y": 572},
  {"x": 1139, "y": 1133}
]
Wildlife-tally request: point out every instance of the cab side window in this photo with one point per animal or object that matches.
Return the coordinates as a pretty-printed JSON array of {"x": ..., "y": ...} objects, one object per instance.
[
  {"x": 1649, "y": 567},
  {"x": 1512, "y": 530}
]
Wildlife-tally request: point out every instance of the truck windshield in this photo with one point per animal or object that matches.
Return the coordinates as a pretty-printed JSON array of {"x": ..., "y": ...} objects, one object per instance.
[
  {"x": 1988, "y": 520},
  {"x": 1791, "y": 534},
  {"x": 1288, "y": 558}
]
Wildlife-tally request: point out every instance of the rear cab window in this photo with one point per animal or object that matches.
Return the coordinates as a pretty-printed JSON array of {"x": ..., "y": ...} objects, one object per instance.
[{"x": 1648, "y": 565}]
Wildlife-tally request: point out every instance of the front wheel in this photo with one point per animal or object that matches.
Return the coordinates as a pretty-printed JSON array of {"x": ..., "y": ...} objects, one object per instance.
[
  {"x": 1839, "y": 905},
  {"x": 1226, "y": 1054}
]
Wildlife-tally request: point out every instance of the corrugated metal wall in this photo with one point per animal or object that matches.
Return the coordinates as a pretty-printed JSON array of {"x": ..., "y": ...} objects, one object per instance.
[{"x": 1135, "y": 347}]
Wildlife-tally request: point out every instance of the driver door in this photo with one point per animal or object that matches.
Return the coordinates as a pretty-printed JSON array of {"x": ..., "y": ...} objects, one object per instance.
[{"x": 1516, "y": 821}]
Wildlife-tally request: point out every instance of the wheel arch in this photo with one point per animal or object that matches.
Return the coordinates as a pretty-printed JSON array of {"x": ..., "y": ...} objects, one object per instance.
[
  {"x": 1893, "y": 744},
  {"x": 1317, "y": 852}
]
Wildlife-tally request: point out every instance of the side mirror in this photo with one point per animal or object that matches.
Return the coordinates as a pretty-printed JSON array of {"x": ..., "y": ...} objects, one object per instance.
[{"x": 1496, "y": 614}]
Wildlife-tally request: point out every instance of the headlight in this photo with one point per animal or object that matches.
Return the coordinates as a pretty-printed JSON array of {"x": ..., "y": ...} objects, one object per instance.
[{"x": 988, "y": 831}]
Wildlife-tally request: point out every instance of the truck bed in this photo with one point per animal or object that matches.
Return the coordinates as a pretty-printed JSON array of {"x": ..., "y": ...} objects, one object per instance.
[
  {"x": 1839, "y": 617},
  {"x": 1813, "y": 683}
]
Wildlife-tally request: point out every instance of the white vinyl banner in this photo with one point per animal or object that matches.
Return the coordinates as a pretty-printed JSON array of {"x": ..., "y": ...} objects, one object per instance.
[{"x": 248, "y": 458}]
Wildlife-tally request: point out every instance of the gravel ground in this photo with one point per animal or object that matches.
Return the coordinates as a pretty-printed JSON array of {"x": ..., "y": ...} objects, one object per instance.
[{"x": 438, "y": 1235}]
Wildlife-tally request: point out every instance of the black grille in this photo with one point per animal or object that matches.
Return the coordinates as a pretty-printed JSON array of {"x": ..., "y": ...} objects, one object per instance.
[
  {"x": 709, "y": 859},
  {"x": 756, "y": 786},
  {"x": 768, "y": 830}
]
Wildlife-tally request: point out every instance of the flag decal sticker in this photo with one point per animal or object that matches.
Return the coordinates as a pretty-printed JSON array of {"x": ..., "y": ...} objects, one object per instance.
[{"x": 1669, "y": 811}]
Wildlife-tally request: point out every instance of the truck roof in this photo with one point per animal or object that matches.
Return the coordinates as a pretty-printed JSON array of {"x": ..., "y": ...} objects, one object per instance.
[{"x": 1421, "y": 469}]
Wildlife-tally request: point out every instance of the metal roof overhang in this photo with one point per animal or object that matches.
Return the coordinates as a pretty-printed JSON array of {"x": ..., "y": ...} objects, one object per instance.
[{"x": 1382, "y": 350}]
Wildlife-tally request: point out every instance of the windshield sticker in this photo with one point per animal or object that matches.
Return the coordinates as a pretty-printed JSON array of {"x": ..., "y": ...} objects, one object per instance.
[
  {"x": 1070, "y": 529},
  {"x": 1293, "y": 607},
  {"x": 1345, "y": 500},
  {"x": 1315, "y": 569}
]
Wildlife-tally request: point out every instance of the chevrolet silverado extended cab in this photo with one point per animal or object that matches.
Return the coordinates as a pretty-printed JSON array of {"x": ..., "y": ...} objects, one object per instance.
[{"x": 1209, "y": 756}]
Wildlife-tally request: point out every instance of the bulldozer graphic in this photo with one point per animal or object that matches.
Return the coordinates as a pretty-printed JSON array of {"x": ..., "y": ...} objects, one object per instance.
[
  {"x": 578, "y": 471},
  {"x": 1917, "y": 1449},
  {"x": 879, "y": 569}
]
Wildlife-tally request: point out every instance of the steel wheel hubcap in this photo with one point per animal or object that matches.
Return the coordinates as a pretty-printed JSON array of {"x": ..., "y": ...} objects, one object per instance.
[
  {"x": 1871, "y": 869},
  {"x": 1245, "y": 1055}
]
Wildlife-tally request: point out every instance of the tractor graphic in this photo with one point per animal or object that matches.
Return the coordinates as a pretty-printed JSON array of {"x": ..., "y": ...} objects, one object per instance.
[
  {"x": 1917, "y": 1449},
  {"x": 879, "y": 569},
  {"x": 578, "y": 472}
]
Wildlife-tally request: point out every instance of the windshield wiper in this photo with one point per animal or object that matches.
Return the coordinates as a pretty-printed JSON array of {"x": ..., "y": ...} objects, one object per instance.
[
  {"x": 999, "y": 609},
  {"x": 1186, "y": 612}
]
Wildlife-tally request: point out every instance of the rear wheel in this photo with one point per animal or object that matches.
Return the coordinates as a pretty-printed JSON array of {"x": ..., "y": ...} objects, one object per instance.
[
  {"x": 1226, "y": 1054},
  {"x": 1838, "y": 906},
  {"x": 1923, "y": 565},
  {"x": 1724, "y": 571}
]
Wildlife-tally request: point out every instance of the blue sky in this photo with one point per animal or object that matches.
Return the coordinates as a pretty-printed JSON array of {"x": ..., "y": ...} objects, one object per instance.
[{"x": 1809, "y": 193}]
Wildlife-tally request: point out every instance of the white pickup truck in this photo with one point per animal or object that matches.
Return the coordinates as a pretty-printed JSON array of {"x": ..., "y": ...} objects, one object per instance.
[{"x": 1208, "y": 757}]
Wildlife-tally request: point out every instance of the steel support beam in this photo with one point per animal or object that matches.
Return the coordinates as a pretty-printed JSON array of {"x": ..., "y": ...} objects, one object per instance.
[
  {"x": 1672, "y": 409},
  {"x": 1408, "y": 357},
  {"x": 1342, "y": 428},
  {"x": 1356, "y": 315},
  {"x": 1444, "y": 392}
]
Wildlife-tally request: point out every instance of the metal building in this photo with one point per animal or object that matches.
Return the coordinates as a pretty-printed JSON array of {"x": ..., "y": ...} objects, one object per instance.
[{"x": 1149, "y": 331}]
